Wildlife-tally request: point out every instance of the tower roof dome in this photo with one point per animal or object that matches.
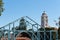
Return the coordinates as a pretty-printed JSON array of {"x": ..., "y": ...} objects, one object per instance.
[{"x": 44, "y": 13}]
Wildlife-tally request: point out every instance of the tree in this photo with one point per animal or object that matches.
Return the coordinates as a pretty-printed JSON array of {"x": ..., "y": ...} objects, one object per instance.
[{"x": 1, "y": 7}]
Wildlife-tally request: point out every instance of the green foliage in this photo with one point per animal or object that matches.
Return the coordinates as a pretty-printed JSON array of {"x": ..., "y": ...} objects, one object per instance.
[{"x": 1, "y": 7}]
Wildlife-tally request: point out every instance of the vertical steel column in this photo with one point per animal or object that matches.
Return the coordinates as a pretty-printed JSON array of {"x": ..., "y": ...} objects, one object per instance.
[
  {"x": 9, "y": 33},
  {"x": 56, "y": 35},
  {"x": 32, "y": 37},
  {"x": 14, "y": 31},
  {"x": 50, "y": 35},
  {"x": 32, "y": 34},
  {"x": 44, "y": 35},
  {"x": 4, "y": 32},
  {"x": 38, "y": 34}
]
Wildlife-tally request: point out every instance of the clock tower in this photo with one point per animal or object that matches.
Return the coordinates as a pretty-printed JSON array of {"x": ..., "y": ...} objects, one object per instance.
[{"x": 44, "y": 20}]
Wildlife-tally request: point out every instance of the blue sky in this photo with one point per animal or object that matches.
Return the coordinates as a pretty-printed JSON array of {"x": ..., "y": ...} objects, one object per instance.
[{"x": 15, "y": 9}]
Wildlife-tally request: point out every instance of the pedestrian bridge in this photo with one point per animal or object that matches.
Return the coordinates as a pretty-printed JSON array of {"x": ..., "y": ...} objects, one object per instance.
[{"x": 26, "y": 28}]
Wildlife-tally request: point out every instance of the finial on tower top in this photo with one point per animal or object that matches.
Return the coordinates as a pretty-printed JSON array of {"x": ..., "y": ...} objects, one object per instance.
[{"x": 43, "y": 11}]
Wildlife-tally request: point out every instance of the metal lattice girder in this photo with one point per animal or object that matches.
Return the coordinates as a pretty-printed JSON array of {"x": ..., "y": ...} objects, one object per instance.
[{"x": 35, "y": 35}]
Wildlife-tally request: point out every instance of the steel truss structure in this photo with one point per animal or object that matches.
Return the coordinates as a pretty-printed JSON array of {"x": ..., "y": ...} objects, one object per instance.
[{"x": 32, "y": 30}]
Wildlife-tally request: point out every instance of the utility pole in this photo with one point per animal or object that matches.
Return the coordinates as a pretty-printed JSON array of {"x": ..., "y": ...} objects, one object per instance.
[{"x": 1, "y": 7}]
